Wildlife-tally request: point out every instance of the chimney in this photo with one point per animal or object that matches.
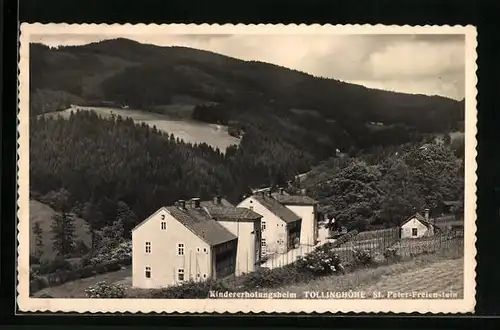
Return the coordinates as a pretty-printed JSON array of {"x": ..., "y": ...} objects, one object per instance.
[
  {"x": 303, "y": 191},
  {"x": 218, "y": 199},
  {"x": 182, "y": 204},
  {"x": 426, "y": 214},
  {"x": 176, "y": 203},
  {"x": 281, "y": 191},
  {"x": 195, "y": 202},
  {"x": 269, "y": 192}
]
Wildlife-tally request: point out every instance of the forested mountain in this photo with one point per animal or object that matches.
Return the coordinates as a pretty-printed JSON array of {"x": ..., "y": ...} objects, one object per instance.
[{"x": 291, "y": 121}]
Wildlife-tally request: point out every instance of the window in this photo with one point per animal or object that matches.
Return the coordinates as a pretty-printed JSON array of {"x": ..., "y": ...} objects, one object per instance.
[
  {"x": 251, "y": 208},
  {"x": 148, "y": 272},
  {"x": 180, "y": 249},
  {"x": 263, "y": 242},
  {"x": 414, "y": 231},
  {"x": 163, "y": 225},
  {"x": 263, "y": 225},
  {"x": 205, "y": 275},
  {"x": 148, "y": 247},
  {"x": 205, "y": 250},
  {"x": 197, "y": 249},
  {"x": 198, "y": 275},
  {"x": 180, "y": 274}
]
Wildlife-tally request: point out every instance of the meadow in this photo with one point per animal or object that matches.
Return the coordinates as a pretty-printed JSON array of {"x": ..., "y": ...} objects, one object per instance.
[{"x": 174, "y": 119}]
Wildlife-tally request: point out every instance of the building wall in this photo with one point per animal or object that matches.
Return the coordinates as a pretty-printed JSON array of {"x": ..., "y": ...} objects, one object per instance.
[
  {"x": 248, "y": 246},
  {"x": 309, "y": 225},
  {"x": 275, "y": 228},
  {"x": 407, "y": 228},
  {"x": 163, "y": 259}
]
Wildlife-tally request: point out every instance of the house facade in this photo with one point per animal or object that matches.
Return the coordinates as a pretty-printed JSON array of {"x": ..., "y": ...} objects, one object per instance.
[
  {"x": 306, "y": 208},
  {"x": 242, "y": 223},
  {"x": 417, "y": 226},
  {"x": 280, "y": 226},
  {"x": 180, "y": 243}
]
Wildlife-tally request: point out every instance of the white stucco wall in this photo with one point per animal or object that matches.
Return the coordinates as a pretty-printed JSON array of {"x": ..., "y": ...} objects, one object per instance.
[
  {"x": 309, "y": 226},
  {"x": 275, "y": 227},
  {"x": 406, "y": 229},
  {"x": 163, "y": 259},
  {"x": 248, "y": 246}
]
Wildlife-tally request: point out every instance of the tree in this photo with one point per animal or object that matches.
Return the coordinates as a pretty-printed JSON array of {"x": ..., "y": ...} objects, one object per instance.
[
  {"x": 354, "y": 195},
  {"x": 447, "y": 139},
  {"x": 94, "y": 218},
  {"x": 402, "y": 192},
  {"x": 127, "y": 217},
  {"x": 438, "y": 173},
  {"x": 63, "y": 229},
  {"x": 38, "y": 232}
]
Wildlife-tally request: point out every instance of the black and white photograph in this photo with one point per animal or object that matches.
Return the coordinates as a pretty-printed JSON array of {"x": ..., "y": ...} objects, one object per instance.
[{"x": 273, "y": 168}]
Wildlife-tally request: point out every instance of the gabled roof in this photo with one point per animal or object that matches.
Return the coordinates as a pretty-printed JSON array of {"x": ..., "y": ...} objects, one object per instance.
[
  {"x": 199, "y": 222},
  {"x": 227, "y": 211},
  {"x": 420, "y": 218},
  {"x": 202, "y": 225},
  {"x": 285, "y": 198},
  {"x": 277, "y": 209}
]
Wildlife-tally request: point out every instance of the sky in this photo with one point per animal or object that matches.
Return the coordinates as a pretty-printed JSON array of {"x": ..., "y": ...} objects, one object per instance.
[{"x": 416, "y": 64}]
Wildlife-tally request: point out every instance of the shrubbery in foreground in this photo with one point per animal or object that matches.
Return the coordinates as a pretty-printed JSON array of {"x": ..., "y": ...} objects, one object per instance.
[{"x": 105, "y": 290}]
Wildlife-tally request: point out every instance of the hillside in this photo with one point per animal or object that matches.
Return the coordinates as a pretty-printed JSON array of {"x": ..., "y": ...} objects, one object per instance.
[
  {"x": 307, "y": 110},
  {"x": 42, "y": 214}
]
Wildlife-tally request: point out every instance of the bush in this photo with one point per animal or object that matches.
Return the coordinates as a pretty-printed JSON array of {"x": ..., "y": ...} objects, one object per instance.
[
  {"x": 322, "y": 261},
  {"x": 47, "y": 267},
  {"x": 363, "y": 257},
  {"x": 122, "y": 252},
  {"x": 38, "y": 283},
  {"x": 343, "y": 239},
  {"x": 392, "y": 254},
  {"x": 271, "y": 278},
  {"x": 105, "y": 290},
  {"x": 190, "y": 290}
]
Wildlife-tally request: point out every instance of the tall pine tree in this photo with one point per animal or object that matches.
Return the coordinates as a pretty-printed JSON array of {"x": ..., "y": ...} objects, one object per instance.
[
  {"x": 38, "y": 232},
  {"x": 63, "y": 229}
]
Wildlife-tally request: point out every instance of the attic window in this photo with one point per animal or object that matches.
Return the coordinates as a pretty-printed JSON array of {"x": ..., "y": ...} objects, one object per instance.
[
  {"x": 163, "y": 225},
  {"x": 148, "y": 247},
  {"x": 414, "y": 231},
  {"x": 204, "y": 250},
  {"x": 180, "y": 249},
  {"x": 147, "y": 273}
]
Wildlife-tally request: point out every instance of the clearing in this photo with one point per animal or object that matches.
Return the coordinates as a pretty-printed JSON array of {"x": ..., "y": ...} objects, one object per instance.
[{"x": 185, "y": 129}]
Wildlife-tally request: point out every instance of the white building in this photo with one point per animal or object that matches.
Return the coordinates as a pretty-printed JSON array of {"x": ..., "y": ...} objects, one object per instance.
[
  {"x": 306, "y": 208},
  {"x": 417, "y": 226},
  {"x": 280, "y": 226},
  {"x": 244, "y": 224},
  {"x": 180, "y": 243}
]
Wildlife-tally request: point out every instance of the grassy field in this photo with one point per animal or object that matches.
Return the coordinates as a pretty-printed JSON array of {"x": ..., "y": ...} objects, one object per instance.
[
  {"x": 43, "y": 214},
  {"x": 439, "y": 272},
  {"x": 426, "y": 273},
  {"x": 76, "y": 289},
  {"x": 184, "y": 129}
]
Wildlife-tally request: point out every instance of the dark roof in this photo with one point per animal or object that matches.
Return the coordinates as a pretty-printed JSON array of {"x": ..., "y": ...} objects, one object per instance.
[
  {"x": 202, "y": 225},
  {"x": 275, "y": 207},
  {"x": 451, "y": 203},
  {"x": 227, "y": 211},
  {"x": 419, "y": 218},
  {"x": 285, "y": 198}
]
